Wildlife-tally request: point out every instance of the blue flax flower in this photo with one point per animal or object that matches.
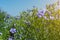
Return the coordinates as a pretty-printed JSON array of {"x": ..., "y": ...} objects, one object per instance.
[
  {"x": 12, "y": 30},
  {"x": 41, "y": 13}
]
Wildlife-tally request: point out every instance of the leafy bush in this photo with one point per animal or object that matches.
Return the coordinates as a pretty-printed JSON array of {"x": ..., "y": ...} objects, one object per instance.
[{"x": 34, "y": 24}]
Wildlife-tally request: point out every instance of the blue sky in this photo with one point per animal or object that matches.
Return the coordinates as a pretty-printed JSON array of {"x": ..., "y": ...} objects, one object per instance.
[{"x": 13, "y": 7}]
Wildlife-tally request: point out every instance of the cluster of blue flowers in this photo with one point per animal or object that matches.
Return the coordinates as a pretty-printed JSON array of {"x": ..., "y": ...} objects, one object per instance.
[
  {"x": 41, "y": 13},
  {"x": 12, "y": 30}
]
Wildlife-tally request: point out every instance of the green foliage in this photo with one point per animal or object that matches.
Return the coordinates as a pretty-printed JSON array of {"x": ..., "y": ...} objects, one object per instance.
[
  {"x": 39, "y": 28},
  {"x": 30, "y": 27}
]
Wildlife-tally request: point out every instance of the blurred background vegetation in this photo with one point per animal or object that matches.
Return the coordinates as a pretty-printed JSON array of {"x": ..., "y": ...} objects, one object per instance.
[{"x": 30, "y": 26}]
